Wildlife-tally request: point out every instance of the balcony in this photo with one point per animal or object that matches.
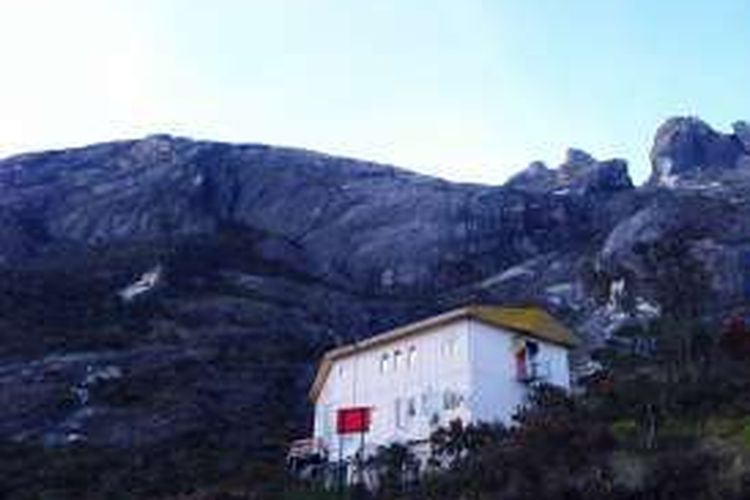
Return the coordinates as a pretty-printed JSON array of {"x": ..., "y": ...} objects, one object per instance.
[{"x": 533, "y": 372}]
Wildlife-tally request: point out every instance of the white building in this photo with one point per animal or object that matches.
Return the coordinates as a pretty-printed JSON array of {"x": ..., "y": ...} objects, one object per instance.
[{"x": 475, "y": 363}]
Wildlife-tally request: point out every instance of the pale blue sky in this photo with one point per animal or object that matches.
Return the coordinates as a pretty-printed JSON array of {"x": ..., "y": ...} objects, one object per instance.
[{"x": 468, "y": 90}]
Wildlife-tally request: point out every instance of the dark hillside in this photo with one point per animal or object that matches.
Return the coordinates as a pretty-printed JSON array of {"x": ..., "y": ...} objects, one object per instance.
[{"x": 165, "y": 290}]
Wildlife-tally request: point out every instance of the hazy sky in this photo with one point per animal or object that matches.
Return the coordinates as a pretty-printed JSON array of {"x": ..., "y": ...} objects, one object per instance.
[{"x": 469, "y": 90}]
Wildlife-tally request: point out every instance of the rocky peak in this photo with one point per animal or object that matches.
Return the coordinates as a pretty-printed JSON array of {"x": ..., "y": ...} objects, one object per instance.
[
  {"x": 578, "y": 157},
  {"x": 537, "y": 177},
  {"x": 687, "y": 148},
  {"x": 580, "y": 173},
  {"x": 741, "y": 130}
]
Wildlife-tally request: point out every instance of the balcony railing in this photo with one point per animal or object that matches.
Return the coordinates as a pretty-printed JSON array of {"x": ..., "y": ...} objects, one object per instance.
[
  {"x": 306, "y": 448},
  {"x": 533, "y": 372}
]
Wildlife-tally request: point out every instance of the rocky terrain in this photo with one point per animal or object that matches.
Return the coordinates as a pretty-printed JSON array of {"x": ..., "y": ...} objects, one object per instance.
[{"x": 164, "y": 287}]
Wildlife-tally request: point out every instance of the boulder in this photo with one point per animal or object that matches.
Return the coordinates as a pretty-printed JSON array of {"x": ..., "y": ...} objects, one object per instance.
[
  {"x": 579, "y": 174},
  {"x": 578, "y": 157},
  {"x": 537, "y": 177},
  {"x": 687, "y": 147}
]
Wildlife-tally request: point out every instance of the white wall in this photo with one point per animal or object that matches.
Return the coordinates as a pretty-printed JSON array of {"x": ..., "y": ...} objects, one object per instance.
[
  {"x": 479, "y": 367},
  {"x": 440, "y": 364},
  {"x": 496, "y": 391}
]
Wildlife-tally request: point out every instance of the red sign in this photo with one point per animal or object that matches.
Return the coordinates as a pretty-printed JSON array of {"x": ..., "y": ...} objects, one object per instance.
[
  {"x": 521, "y": 372},
  {"x": 353, "y": 420}
]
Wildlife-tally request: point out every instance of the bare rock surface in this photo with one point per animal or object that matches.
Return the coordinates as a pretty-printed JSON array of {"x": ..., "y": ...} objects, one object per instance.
[{"x": 247, "y": 261}]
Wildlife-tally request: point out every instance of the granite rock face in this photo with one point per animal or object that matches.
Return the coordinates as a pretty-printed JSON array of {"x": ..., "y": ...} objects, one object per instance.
[
  {"x": 687, "y": 147},
  {"x": 580, "y": 173},
  {"x": 741, "y": 131},
  {"x": 240, "y": 264}
]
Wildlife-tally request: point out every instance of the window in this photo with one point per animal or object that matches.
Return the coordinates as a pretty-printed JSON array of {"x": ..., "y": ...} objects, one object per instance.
[
  {"x": 405, "y": 410},
  {"x": 528, "y": 366},
  {"x": 450, "y": 347},
  {"x": 452, "y": 400},
  {"x": 411, "y": 408},
  {"x": 434, "y": 419},
  {"x": 341, "y": 370},
  {"x": 384, "y": 361},
  {"x": 399, "y": 413},
  {"x": 425, "y": 403},
  {"x": 411, "y": 356},
  {"x": 532, "y": 347},
  {"x": 397, "y": 360}
]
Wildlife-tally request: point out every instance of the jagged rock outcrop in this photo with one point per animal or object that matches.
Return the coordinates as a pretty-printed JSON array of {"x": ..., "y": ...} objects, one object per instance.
[
  {"x": 687, "y": 147},
  {"x": 741, "y": 131},
  {"x": 579, "y": 174},
  {"x": 204, "y": 279}
]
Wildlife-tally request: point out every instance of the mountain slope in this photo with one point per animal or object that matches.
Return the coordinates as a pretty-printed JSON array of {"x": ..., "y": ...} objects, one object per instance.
[{"x": 164, "y": 287}]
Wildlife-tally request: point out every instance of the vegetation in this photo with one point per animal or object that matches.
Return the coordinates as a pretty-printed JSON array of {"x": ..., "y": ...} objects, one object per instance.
[
  {"x": 677, "y": 428},
  {"x": 667, "y": 416},
  {"x": 656, "y": 422}
]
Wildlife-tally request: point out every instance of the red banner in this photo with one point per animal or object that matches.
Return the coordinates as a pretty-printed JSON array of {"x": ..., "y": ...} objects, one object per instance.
[
  {"x": 353, "y": 420},
  {"x": 521, "y": 372}
]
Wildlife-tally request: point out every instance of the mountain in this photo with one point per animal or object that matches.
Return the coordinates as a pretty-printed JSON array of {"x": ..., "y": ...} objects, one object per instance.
[{"x": 160, "y": 288}]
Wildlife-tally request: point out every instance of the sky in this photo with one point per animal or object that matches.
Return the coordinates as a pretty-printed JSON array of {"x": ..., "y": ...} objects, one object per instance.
[{"x": 467, "y": 90}]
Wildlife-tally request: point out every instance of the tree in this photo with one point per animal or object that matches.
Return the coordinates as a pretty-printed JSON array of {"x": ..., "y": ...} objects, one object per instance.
[
  {"x": 680, "y": 285},
  {"x": 395, "y": 468}
]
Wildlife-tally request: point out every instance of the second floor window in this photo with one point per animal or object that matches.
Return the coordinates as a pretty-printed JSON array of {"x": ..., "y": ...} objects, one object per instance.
[
  {"x": 411, "y": 356},
  {"x": 397, "y": 360},
  {"x": 384, "y": 362}
]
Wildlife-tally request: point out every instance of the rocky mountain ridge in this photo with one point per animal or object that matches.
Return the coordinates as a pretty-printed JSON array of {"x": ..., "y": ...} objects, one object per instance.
[{"x": 163, "y": 287}]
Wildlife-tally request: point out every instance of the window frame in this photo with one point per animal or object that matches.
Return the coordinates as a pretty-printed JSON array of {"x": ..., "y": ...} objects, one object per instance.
[
  {"x": 411, "y": 356},
  {"x": 398, "y": 356},
  {"x": 384, "y": 363}
]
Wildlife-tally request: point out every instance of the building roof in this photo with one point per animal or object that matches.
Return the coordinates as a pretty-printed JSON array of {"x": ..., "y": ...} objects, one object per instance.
[{"x": 531, "y": 321}]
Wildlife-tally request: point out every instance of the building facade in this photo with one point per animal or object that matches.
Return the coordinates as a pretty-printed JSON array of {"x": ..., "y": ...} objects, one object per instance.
[{"x": 474, "y": 364}]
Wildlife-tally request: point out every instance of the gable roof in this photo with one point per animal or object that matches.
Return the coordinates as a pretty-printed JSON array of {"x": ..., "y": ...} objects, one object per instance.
[{"x": 531, "y": 321}]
